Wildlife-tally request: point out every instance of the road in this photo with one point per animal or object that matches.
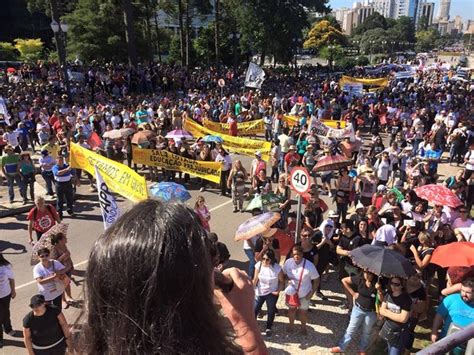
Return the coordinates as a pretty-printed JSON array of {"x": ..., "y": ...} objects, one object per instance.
[{"x": 87, "y": 225}]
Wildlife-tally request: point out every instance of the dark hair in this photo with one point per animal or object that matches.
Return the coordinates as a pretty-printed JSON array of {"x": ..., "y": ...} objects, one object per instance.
[
  {"x": 468, "y": 282},
  {"x": 297, "y": 248},
  {"x": 162, "y": 300},
  {"x": 348, "y": 223},
  {"x": 3, "y": 261},
  {"x": 56, "y": 238},
  {"x": 43, "y": 251},
  {"x": 271, "y": 255}
]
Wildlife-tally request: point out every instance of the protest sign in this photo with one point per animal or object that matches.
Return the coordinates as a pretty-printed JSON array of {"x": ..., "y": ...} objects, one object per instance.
[
  {"x": 353, "y": 89},
  {"x": 364, "y": 81},
  {"x": 249, "y": 128},
  {"x": 254, "y": 77},
  {"x": 291, "y": 120},
  {"x": 207, "y": 170},
  {"x": 235, "y": 144},
  {"x": 118, "y": 177},
  {"x": 108, "y": 205}
]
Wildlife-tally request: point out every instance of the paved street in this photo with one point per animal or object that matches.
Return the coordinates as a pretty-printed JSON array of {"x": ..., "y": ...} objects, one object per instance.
[{"x": 86, "y": 227}]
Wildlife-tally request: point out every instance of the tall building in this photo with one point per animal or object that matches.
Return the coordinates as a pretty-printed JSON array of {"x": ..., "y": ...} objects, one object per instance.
[
  {"x": 351, "y": 18},
  {"x": 444, "y": 6},
  {"x": 425, "y": 9},
  {"x": 386, "y": 8}
]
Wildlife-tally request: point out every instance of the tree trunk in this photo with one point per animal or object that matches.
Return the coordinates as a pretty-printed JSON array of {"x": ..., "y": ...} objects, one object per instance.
[
  {"x": 181, "y": 31},
  {"x": 262, "y": 57},
  {"x": 129, "y": 32},
  {"x": 157, "y": 31},
  {"x": 216, "y": 30}
]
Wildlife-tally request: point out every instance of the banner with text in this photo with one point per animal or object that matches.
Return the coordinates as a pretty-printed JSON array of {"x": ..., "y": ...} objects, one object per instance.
[
  {"x": 363, "y": 81},
  {"x": 244, "y": 146},
  {"x": 108, "y": 205},
  {"x": 249, "y": 128},
  {"x": 207, "y": 170},
  {"x": 292, "y": 120},
  {"x": 118, "y": 177}
]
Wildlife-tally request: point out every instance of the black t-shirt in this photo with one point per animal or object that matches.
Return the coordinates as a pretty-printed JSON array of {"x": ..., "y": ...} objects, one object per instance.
[
  {"x": 349, "y": 243},
  {"x": 45, "y": 329},
  {"x": 396, "y": 305},
  {"x": 418, "y": 295},
  {"x": 315, "y": 217},
  {"x": 367, "y": 295},
  {"x": 259, "y": 244},
  {"x": 308, "y": 254}
]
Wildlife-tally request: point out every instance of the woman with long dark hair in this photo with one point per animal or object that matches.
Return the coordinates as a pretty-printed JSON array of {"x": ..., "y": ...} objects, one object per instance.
[
  {"x": 162, "y": 300},
  {"x": 7, "y": 292}
]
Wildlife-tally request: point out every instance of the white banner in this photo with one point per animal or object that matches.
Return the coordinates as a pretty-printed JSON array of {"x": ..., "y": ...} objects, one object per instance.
[
  {"x": 108, "y": 205},
  {"x": 323, "y": 130},
  {"x": 255, "y": 76},
  {"x": 353, "y": 89}
]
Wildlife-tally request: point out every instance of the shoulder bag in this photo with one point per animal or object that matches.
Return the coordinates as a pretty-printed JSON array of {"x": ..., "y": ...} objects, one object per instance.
[{"x": 294, "y": 300}]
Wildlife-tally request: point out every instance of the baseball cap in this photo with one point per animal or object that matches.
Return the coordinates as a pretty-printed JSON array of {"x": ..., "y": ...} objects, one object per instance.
[
  {"x": 381, "y": 188},
  {"x": 292, "y": 147},
  {"x": 37, "y": 300},
  {"x": 258, "y": 153}
]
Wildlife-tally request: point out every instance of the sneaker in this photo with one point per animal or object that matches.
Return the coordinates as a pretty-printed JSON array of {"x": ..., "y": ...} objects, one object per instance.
[
  {"x": 235, "y": 210},
  {"x": 336, "y": 350},
  {"x": 268, "y": 332},
  {"x": 201, "y": 189},
  {"x": 71, "y": 213}
]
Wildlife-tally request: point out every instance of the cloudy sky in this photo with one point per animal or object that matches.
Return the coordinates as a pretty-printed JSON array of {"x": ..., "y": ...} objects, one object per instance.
[{"x": 464, "y": 8}]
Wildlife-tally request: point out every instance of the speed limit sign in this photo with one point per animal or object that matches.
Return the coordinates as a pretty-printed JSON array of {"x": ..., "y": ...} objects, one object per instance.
[
  {"x": 221, "y": 82},
  {"x": 300, "y": 180}
]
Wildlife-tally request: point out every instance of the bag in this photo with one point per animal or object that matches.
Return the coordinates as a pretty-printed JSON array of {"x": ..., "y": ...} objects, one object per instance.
[
  {"x": 390, "y": 335},
  {"x": 293, "y": 301},
  {"x": 63, "y": 281}
]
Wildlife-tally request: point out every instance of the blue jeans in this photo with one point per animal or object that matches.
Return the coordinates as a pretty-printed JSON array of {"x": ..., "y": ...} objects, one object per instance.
[
  {"x": 271, "y": 300},
  {"x": 250, "y": 254},
  {"x": 358, "y": 318},
  {"x": 11, "y": 183},
  {"x": 48, "y": 177},
  {"x": 399, "y": 347}
]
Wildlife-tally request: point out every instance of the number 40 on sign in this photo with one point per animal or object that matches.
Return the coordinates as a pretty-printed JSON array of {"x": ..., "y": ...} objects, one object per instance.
[{"x": 300, "y": 180}]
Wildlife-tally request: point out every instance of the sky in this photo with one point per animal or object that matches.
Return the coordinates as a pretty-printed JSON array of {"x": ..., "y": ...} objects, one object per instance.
[{"x": 464, "y": 8}]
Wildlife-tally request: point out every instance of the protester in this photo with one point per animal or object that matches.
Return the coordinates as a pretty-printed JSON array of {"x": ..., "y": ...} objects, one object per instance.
[
  {"x": 224, "y": 158},
  {"x": 45, "y": 330},
  {"x": 203, "y": 212},
  {"x": 46, "y": 163},
  {"x": 268, "y": 282},
  {"x": 10, "y": 162},
  {"x": 26, "y": 170},
  {"x": 7, "y": 293},
  {"x": 41, "y": 218},
  {"x": 60, "y": 252},
  {"x": 236, "y": 184},
  {"x": 63, "y": 177}
]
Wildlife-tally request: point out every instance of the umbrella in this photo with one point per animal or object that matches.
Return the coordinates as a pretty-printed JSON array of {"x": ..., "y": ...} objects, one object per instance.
[
  {"x": 438, "y": 195},
  {"x": 454, "y": 254},
  {"x": 332, "y": 162},
  {"x": 256, "y": 225},
  {"x": 45, "y": 240},
  {"x": 212, "y": 139},
  {"x": 142, "y": 137},
  {"x": 382, "y": 261},
  {"x": 264, "y": 202},
  {"x": 170, "y": 191},
  {"x": 178, "y": 134},
  {"x": 118, "y": 133}
]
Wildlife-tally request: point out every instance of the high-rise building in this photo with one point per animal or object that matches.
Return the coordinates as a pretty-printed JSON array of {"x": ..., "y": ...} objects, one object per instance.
[
  {"x": 406, "y": 8},
  {"x": 425, "y": 9},
  {"x": 444, "y": 6},
  {"x": 386, "y": 8},
  {"x": 351, "y": 18}
]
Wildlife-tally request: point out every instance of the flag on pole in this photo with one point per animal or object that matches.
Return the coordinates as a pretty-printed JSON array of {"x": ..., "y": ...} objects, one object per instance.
[
  {"x": 108, "y": 205},
  {"x": 255, "y": 76},
  {"x": 94, "y": 140}
]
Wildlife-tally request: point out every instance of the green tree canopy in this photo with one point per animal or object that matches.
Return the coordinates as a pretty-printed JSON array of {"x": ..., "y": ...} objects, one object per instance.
[
  {"x": 371, "y": 22},
  {"x": 426, "y": 40}
]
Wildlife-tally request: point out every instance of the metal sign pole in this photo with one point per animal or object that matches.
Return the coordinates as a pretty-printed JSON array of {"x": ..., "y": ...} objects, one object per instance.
[{"x": 298, "y": 218}]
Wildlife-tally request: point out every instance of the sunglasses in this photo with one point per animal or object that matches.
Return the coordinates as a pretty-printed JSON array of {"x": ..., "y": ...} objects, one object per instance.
[
  {"x": 266, "y": 259},
  {"x": 396, "y": 284},
  {"x": 305, "y": 235},
  {"x": 44, "y": 255},
  {"x": 462, "y": 211}
]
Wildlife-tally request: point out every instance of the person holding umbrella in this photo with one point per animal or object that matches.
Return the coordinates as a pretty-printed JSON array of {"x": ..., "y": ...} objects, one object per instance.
[
  {"x": 395, "y": 308},
  {"x": 363, "y": 289}
]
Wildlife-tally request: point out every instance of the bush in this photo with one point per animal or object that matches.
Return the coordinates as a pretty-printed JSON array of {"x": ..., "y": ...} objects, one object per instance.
[
  {"x": 30, "y": 49},
  {"x": 8, "y": 52},
  {"x": 346, "y": 62},
  {"x": 362, "y": 60}
]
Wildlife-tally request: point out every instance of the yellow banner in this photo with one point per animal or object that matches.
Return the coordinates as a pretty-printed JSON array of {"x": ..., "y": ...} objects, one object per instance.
[
  {"x": 118, "y": 177},
  {"x": 291, "y": 120},
  {"x": 208, "y": 170},
  {"x": 250, "y": 128},
  {"x": 364, "y": 81},
  {"x": 235, "y": 144}
]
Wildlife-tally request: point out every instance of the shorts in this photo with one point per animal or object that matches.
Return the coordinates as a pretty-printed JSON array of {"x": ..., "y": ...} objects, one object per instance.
[
  {"x": 326, "y": 178},
  {"x": 304, "y": 304}
]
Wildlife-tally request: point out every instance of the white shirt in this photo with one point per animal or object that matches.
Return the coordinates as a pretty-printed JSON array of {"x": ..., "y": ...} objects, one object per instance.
[
  {"x": 293, "y": 272},
  {"x": 470, "y": 160},
  {"x": 383, "y": 169},
  {"x": 53, "y": 289},
  {"x": 6, "y": 274},
  {"x": 12, "y": 138},
  {"x": 459, "y": 223},
  {"x": 267, "y": 279},
  {"x": 247, "y": 245}
]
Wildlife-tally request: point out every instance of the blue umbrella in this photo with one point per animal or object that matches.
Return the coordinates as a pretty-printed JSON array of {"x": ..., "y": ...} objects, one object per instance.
[
  {"x": 170, "y": 191},
  {"x": 212, "y": 139}
]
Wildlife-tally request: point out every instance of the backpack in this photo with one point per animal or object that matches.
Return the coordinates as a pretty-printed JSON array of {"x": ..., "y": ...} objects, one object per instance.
[{"x": 48, "y": 207}]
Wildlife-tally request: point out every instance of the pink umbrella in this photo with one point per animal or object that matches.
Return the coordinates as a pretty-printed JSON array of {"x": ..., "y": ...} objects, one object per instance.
[
  {"x": 332, "y": 162},
  {"x": 178, "y": 134},
  {"x": 45, "y": 240},
  {"x": 438, "y": 195}
]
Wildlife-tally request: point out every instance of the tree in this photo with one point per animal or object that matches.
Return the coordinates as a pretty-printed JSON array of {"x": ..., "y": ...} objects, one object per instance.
[
  {"x": 8, "y": 51},
  {"x": 323, "y": 34},
  {"x": 30, "y": 49},
  {"x": 373, "y": 21},
  {"x": 404, "y": 30},
  {"x": 423, "y": 23},
  {"x": 426, "y": 40}
]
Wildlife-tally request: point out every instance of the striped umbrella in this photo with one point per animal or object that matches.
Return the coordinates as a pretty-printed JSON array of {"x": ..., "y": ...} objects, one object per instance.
[
  {"x": 256, "y": 225},
  {"x": 332, "y": 162}
]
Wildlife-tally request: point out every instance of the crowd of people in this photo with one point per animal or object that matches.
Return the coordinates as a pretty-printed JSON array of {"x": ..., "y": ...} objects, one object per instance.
[{"x": 421, "y": 118}]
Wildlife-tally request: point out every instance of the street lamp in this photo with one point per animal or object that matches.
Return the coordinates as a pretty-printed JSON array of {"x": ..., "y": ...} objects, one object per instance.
[
  {"x": 331, "y": 49},
  {"x": 60, "y": 30},
  {"x": 234, "y": 37}
]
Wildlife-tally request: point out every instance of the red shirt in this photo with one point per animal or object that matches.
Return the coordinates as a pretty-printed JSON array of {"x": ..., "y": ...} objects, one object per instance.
[
  {"x": 44, "y": 220},
  {"x": 233, "y": 128},
  {"x": 292, "y": 158}
]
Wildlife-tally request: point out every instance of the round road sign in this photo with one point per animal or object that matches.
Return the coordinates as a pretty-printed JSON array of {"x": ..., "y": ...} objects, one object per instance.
[
  {"x": 221, "y": 82},
  {"x": 300, "y": 180}
]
